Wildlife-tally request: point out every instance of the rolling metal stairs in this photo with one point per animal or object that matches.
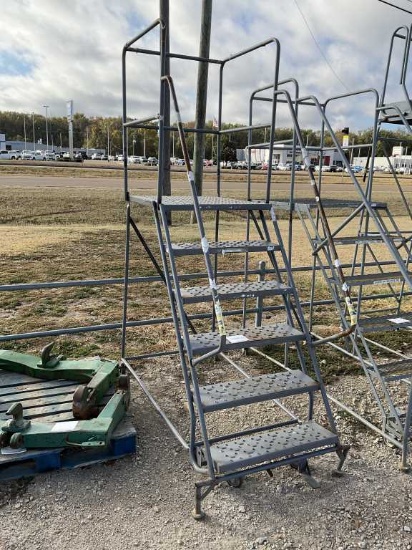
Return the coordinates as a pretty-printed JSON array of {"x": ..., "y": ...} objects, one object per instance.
[
  {"x": 291, "y": 435},
  {"x": 374, "y": 285},
  {"x": 378, "y": 276}
]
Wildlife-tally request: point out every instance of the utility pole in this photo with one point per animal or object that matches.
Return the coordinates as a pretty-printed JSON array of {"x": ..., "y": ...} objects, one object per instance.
[
  {"x": 201, "y": 100},
  {"x": 25, "y": 135},
  {"x": 47, "y": 129},
  {"x": 69, "y": 107},
  {"x": 164, "y": 143},
  {"x": 34, "y": 134}
]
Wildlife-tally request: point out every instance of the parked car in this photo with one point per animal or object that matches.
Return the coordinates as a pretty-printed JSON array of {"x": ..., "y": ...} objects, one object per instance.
[
  {"x": 120, "y": 158},
  {"x": 82, "y": 155},
  {"x": 27, "y": 155},
  {"x": 32, "y": 155},
  {"x": 10, "y": 155},
  {"x": 50, "y": 155},
  {"x": 132, "y": 159},
  {"x": 97, "y": 156},
  {"x": 152, "y": 161},
  {"x": 284, "y": 167},
  {"x": 355, "y": 169}
]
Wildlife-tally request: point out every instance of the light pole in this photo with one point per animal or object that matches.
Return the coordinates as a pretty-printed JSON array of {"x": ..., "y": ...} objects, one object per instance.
[
  {"x": 134, "y": 143},
  {"x": 24, "y": 127},
  {"x": 144, "y": 143},
  {"x": 34, "y": 135},
  {"x": 47, "y": 129}
]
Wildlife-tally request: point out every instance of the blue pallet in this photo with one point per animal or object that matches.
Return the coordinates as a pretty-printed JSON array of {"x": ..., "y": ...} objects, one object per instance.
[{"x": 50, "y": 401}]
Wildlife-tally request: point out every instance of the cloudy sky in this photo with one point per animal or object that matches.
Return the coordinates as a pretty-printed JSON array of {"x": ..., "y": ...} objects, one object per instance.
[{"x": 55, "y": 50}]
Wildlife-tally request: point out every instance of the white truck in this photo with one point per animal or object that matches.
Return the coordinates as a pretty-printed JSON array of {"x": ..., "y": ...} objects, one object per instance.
[
  {"x": 32, "y": 155},
  {"x": 9, "y": 155}
]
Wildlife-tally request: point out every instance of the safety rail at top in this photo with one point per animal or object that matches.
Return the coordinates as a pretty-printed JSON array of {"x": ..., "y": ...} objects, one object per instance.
[
  {"x": 403, "y": 33},
  {"x": 161, "y": 121}
]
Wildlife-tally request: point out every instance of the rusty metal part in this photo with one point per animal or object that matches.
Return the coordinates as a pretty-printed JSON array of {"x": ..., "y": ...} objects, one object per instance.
[{"x": 84, "y": 405}]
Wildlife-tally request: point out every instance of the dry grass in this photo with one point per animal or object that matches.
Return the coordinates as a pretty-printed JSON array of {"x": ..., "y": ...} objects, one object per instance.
[{"x": 60, "y": 234}]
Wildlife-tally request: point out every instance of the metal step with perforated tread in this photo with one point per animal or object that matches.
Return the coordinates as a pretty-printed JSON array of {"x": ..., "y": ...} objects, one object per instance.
[
  {"x": 371, "y": 238},
  {"x": 390, "y": 277},
  {"x": 235, "y": 393},
  {"x": 224, "y": 247},
  {"x": 192, "y": 295},
  {"x": 396, "y": 370},
  {"x": 180, "y": 202},
  {"x": 246, "y": 338},
  {"x": 384, "y": 324},
  {"x": 265, "y": 446}
]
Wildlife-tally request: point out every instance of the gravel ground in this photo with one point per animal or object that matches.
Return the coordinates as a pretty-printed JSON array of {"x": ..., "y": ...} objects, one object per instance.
[{"x": 145, "y": 501}]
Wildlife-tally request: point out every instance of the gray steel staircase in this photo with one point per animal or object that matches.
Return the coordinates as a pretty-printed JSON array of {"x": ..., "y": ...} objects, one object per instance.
[
  {"x": 291, "y": 441},
  {"x": 206, "y": 327},
  {"x": 379, "y": 275},
  {"x": 294, "y": 441}
]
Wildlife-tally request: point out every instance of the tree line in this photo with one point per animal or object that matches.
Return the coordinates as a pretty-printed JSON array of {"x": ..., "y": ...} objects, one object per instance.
[{"x": 106, "y": 133}]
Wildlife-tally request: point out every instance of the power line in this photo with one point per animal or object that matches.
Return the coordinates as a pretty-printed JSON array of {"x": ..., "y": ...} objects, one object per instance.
[
  {"x": 319, "y": 48},
  {"x": 397, "y": 7}
]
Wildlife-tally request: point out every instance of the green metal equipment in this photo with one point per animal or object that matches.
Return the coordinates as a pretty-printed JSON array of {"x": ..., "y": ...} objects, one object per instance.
[{"x": 89, "y": 428}]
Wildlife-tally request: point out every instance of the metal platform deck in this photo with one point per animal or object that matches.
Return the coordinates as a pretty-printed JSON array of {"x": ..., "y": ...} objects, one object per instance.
[{"x": 180, "y": 202}]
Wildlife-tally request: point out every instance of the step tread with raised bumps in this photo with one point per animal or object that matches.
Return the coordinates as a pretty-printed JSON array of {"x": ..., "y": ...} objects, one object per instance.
[
  {"x": 180, "y": 202},
  {"x": 234, "y": 393},
  {"x": 224, "y": 247},
  {"x": 246, "y": 338},
  {"x": 265, "y": 446},
  {"x": 231, "y": 291},
  {"x": 387, "y": 323}
]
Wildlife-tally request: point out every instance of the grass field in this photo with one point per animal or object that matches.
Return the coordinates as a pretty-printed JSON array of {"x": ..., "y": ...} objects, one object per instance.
[{"x": 73, "y": 233}]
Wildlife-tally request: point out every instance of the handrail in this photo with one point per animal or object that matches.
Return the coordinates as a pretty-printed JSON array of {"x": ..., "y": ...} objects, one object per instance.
[
  {"x": 204, "y": 241},
  {"x": 325, "y": 223}
]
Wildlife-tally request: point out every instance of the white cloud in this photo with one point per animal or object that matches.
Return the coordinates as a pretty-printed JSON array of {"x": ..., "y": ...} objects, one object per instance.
[{"x": 74, "y": 49}]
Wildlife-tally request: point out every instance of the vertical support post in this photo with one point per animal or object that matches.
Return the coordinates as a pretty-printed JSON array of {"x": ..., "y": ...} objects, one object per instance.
[
  {"x": 201, "y": 98},
  {"x": 126, "y": 280},
  {"x": 259, "y": 300},
  {"x": 164, "y": 184}
]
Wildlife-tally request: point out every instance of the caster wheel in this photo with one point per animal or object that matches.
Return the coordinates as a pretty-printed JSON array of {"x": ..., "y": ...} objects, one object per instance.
[
  {"x": 198, "y": 516},
  {"x": 236, "y": 482}
]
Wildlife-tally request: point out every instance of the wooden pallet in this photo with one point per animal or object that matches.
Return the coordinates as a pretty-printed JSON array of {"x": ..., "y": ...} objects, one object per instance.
[{"x": 51, "y": 401}]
